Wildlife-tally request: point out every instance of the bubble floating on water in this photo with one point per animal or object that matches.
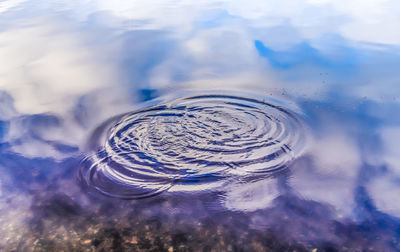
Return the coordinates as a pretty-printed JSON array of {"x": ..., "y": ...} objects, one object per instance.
[{"x": 197, "y": 141}]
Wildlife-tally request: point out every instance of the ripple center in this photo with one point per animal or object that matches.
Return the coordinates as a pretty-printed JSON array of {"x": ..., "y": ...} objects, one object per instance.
[{"x": 199, "y": 140}]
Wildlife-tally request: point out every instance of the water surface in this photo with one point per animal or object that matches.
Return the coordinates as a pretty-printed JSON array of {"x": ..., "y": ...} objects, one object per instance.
[{"x": 209, "y": 126}]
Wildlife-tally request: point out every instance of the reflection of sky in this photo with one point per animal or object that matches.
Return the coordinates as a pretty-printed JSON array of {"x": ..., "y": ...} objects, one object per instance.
[{"x": 68, "y": 66}]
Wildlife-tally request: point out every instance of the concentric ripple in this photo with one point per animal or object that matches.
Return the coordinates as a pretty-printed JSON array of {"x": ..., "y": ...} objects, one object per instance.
[{"x": 196, "y": 140}]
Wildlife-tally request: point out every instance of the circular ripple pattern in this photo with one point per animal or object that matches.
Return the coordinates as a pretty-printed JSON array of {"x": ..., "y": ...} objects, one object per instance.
[{"x": 200, "y": 140}]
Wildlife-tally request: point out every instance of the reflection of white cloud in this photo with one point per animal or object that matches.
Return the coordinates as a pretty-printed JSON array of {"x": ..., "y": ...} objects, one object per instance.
[
  {"x": 196, "y": 187},
  {"x": 371, "y": 21},
  {"x": 374, "y": 21},
  {"x": 47, "y": 69},
  {"x": 218, "y": 58},
  {"x": 335, "y": 191},
  {"x": 217, "y": 39},
  {"x": 6, "y": 5},
  {"x": 251, "y": 196},
  {"x": 331, "y": 175},
  {"x": 385, "y": 193},
  {"x": 68, "y": 133},
  {"x": 361, "y": 20},
  {"x": 336, "y": 154},
  {"x": 158, "y": 13}
]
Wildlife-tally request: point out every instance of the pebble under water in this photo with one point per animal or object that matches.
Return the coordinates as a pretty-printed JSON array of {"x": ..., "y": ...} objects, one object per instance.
[{"x": 201, "y": 141}]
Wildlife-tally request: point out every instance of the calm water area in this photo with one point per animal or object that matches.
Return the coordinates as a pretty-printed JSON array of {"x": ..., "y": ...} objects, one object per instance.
[{"x": 176, "y": 125}]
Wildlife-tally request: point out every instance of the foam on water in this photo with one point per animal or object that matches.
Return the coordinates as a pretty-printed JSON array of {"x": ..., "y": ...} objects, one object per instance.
[{"x": 195, "y": 141}]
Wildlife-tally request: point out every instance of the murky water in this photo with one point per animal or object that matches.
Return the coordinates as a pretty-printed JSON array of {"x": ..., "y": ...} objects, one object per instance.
[{"x": 199, "y": 126}]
